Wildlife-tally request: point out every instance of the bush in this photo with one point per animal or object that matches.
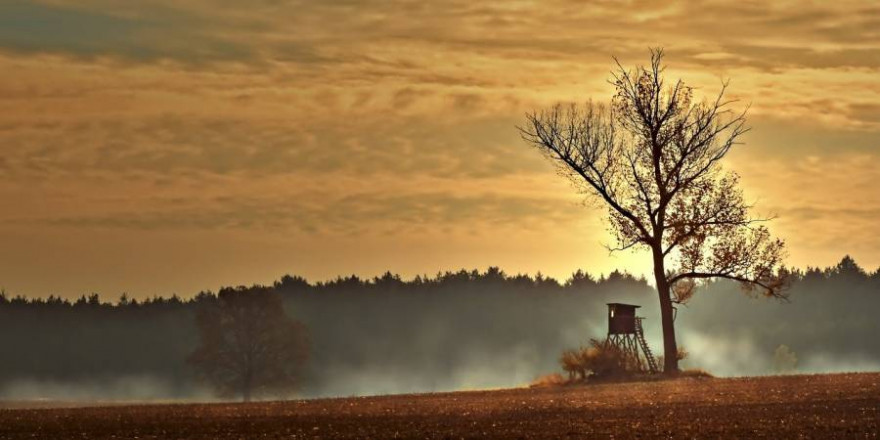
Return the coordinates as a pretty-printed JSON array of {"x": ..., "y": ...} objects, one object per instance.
[
  {"x": 572, "y": 362},
  {"x": 680, "y": 356},
  {"x": 608, "y": 361},
  {"x": 596, "y": 360},
  {"x": 696, "y": 373}
]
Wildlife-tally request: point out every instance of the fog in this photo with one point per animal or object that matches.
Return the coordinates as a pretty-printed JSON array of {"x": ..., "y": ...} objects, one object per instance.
[
  {"x": 108, "y": 389},
  {"x": 456, "y": 331}
]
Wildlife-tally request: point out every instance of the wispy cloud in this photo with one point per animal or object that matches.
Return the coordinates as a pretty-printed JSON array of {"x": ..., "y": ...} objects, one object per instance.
[
  {"x": 360, "y": 117},
  {"x": 30, "y": 27}
]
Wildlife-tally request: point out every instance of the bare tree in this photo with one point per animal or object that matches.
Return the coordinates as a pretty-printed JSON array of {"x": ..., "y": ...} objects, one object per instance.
[
  {"x": 653, "y": 158},
  {"x": 248, "y": 344}
]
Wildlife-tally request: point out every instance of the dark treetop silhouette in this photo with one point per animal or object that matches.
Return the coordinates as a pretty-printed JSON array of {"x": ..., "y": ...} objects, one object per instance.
[{"x": 653, "y": 157}]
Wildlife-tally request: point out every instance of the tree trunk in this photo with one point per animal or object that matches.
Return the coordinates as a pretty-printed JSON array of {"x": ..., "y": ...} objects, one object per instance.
[{"x": 670, "y": 348}]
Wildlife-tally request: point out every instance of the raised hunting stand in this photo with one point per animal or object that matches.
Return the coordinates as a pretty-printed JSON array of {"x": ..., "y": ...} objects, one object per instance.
[{"x": 626, "y": 334}]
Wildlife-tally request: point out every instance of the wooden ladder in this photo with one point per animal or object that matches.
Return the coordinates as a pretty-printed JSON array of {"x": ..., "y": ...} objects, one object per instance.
[{"x": 640, "y": 334}]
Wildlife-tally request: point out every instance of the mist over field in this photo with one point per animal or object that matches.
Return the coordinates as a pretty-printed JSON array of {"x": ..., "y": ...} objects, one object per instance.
[{"x": 456, "y": 331}]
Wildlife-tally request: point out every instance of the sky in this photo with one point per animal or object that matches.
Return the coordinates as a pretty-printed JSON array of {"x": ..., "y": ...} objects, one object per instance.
[{"x": 157, "y": 146}]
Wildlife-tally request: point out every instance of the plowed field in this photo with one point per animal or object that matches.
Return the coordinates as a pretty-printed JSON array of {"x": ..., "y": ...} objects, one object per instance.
[{"x": 821, "y": 406}]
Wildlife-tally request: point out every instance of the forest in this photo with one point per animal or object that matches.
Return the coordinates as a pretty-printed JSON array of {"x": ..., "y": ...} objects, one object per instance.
[{"x": 452, "y": 331}]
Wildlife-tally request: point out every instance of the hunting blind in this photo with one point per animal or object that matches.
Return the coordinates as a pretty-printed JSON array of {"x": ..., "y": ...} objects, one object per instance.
[{"x": 625, "y": 333}]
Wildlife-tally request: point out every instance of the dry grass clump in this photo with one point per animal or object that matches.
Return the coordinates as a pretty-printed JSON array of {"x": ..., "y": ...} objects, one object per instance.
[
  {"x": 548, "y": 380},
  {"x": 697, "y": 373}
]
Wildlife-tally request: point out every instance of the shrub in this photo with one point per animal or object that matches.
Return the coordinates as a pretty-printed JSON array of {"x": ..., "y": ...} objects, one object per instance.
[
  {"x": 597, "y": 360},
  {"x": 697, "y": 373},
  {"x": 548, "y": 380},
  {"x": 681, "y": 355},
  {"x": 607, "y": 361},
  {"x": 784, "y": 360},
  {"x": 573, "y": 364}
]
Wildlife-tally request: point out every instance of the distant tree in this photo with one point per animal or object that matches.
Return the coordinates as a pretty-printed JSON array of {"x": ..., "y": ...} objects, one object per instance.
[
  {"x": 580, "y": 279},
  {"x": 847, "y": 267},
  {"x": 248, "y": 344},
  {"x": 653, "y": 158},
  {"x": 573, "y": 364},
  {"x": 784, "y": 360},
  {"x": 292, "y": 285}
]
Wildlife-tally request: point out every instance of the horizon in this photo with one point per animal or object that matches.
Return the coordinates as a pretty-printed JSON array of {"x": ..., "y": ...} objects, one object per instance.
[{"x": 371, "y": 278}]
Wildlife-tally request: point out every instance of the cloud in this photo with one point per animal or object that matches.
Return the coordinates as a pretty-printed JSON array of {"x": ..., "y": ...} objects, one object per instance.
[
  {"x": 329, "y": 213},
  {"x": 170, "y": 145},
  {"x": 866, "y": 112},
  {"x": 381, "y": 116},
  {"x": 778, "y": 36},
  {"x": 780, "y": 58},
  {"x": 34, "y": 27}
]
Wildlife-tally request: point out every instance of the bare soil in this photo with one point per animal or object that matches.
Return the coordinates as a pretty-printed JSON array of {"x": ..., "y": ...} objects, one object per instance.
[{"x": 819, "y": 406}]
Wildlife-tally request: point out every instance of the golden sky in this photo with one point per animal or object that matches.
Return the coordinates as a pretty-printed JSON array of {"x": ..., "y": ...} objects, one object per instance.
[{"x": 165, "y": 146}]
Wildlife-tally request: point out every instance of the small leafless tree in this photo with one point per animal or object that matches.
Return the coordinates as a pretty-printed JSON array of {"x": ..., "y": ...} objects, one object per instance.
[
  {"x": 248, "y": 344},
  {"x": 653, "y": 157},
  {"x": 572, "y": 363}
]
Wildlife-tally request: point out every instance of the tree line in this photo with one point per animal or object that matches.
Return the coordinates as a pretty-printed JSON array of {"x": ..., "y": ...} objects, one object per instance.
[
  {"x": 454, "y": 330},
  {"x": 385, "y": 283}
]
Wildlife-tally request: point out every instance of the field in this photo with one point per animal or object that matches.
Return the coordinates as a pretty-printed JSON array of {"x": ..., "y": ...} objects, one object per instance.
[{"x": 820, "y": 406}]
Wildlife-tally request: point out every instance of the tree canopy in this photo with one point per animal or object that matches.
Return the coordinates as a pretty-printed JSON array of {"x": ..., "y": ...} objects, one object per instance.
[
  {"x": 248, "y": 344},
  {"x": 653, "y": 158}
]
